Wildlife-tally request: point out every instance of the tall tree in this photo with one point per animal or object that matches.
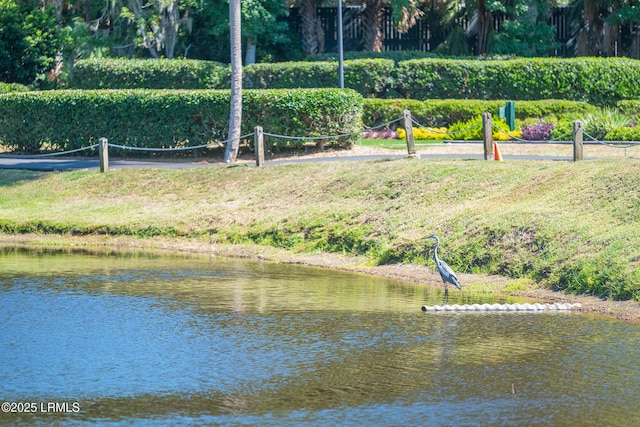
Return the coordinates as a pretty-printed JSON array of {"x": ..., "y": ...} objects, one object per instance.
[
  {"x": 153, "y": 25},
  {"x": 371, "y": 21},
  {"x": 446, "y": 17},
  {"x": 235, "y": 114},
  {"x": 525, "y": 30},
  {"x": 29, "y": 41},
  {"x": 626, "y": 18},
  {"x": 405, "y": 14},
  {"x": 485, "y": 21},
  {"x": 266, "y": 35},
  {"x": 478, "y": 16},
  {"x": 595, "y": 27},
  {"x": 261, "y": 23},
  {"x": 76, "y": 40},
  {"x": 311, "y": 30}
]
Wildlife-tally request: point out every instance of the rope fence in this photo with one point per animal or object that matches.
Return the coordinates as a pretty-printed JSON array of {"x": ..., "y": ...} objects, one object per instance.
[
  {"x": 58, "y": 153},
  {"x": 407, "y": 122}
]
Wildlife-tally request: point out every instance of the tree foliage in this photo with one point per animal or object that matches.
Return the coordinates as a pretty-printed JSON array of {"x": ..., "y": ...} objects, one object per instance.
[
  {"x": 29, "y": 41},
  {"x": 264, "y": 26},
  {"x": 33, "y": 38},
  {"x": 526, "y": 32}
]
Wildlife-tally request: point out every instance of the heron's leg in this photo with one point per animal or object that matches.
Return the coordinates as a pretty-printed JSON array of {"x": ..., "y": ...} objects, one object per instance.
[{"x": 446, "y": 294}]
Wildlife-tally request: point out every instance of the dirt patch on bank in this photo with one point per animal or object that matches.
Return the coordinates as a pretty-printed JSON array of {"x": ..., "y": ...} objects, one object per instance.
[{"x": 420, "y": 275}]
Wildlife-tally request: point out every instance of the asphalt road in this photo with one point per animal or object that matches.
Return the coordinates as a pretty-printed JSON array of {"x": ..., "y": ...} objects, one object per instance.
[{"x": 80, "y": 163}]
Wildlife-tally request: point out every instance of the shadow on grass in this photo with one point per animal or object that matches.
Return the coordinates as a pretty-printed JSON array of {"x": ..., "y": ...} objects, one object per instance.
[{"x": 11, "y": 177}]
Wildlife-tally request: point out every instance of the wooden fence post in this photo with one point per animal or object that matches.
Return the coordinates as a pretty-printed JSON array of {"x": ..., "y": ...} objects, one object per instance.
[
  {"x": 408, "y": 128},
  {"x": 487, "y": 136},
  {"x": 103, "y": 154},
  {"x": 258, "y": 143},
  {"x": 577, "y": 141}
]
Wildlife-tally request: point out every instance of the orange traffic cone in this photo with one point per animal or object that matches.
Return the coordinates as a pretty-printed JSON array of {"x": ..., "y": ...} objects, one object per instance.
[{"x": 496, "y": 152}]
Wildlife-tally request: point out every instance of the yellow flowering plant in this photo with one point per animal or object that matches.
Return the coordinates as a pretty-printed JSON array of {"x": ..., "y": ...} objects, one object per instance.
[{"x": 422, "y": 133}]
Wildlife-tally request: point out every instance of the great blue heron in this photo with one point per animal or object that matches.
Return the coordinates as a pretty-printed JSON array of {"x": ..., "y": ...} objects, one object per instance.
[{"x": 447, "y": 274}]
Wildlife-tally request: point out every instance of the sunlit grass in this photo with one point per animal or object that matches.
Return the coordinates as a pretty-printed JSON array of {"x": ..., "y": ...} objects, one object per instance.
[{"x": 568, "y": 225}]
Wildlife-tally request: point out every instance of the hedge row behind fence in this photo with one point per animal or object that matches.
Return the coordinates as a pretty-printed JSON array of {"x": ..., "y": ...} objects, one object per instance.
[
  {"x": 445, "y": 112},
  {"x": 118, "y": 73},
  {"x": 370, "y": 77},
  {"x": 63, "y": 120},
  {"x": 599, "y": 81}
]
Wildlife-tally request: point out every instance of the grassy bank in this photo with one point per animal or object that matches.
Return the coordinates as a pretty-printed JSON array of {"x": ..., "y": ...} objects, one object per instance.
[{"x": 573, "y": 226}]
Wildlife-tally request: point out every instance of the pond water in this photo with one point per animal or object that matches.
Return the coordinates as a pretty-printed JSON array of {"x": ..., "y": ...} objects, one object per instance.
[{"x": 145, "y": 340}]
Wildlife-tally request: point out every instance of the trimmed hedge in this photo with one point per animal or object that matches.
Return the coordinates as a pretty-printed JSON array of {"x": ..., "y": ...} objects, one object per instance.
[
  {"x": 445, "y": 112},
  {"x": 120, "y": 73},
  {"x": 394, "y": 55},
  {"x": 12, "y": 87},
  {"x": 600, "y": 81},
  {"x": 289, "y": 75},
  {"x": 70, "y": 119},
  {"x": 370, "y": 77}
]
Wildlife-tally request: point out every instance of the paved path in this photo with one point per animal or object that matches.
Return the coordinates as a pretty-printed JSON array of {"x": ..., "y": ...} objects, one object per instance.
[{"x": 79, "y": 163}]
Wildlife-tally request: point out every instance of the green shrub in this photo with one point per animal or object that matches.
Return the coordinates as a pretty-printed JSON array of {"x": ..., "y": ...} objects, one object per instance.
[
  {"x": 630, "y": 108},
  {"x": 305, "y": 112},
  {"x": 31, "y": 121},
  {"x": 472, "y": 130},
  {"x": 394, "y": 55},
  {"x": 623, "y": 134},
  {"x": 289, "y": 75},
  {"x": 599, "y": 123},
  {"x": 380, "y": 111},
  {"x": 445, "y": 112},
  {"x": 563, "y": 130},
  {"x": 121, "y": 73},
  {"x": 600, "y": 81},
  {"x": 468, "y": 130},
  {"x": 370, "y": 77},
  {"x": 12, "y": 87}
]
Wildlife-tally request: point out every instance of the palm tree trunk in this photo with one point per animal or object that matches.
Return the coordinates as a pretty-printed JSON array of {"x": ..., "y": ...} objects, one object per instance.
[
  {"x": 371, "y": 20},
  {"x": 597, "y": 37},
  {"x": 235, "y": 115},
  {"x": 484, "y": 28},
  {"x": 311, "y": 30}
]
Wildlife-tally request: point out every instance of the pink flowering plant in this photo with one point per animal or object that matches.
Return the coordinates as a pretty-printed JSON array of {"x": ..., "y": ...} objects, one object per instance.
[
  {"x": 538, "y": 131},
  {"x": 379, "y": 134}
]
